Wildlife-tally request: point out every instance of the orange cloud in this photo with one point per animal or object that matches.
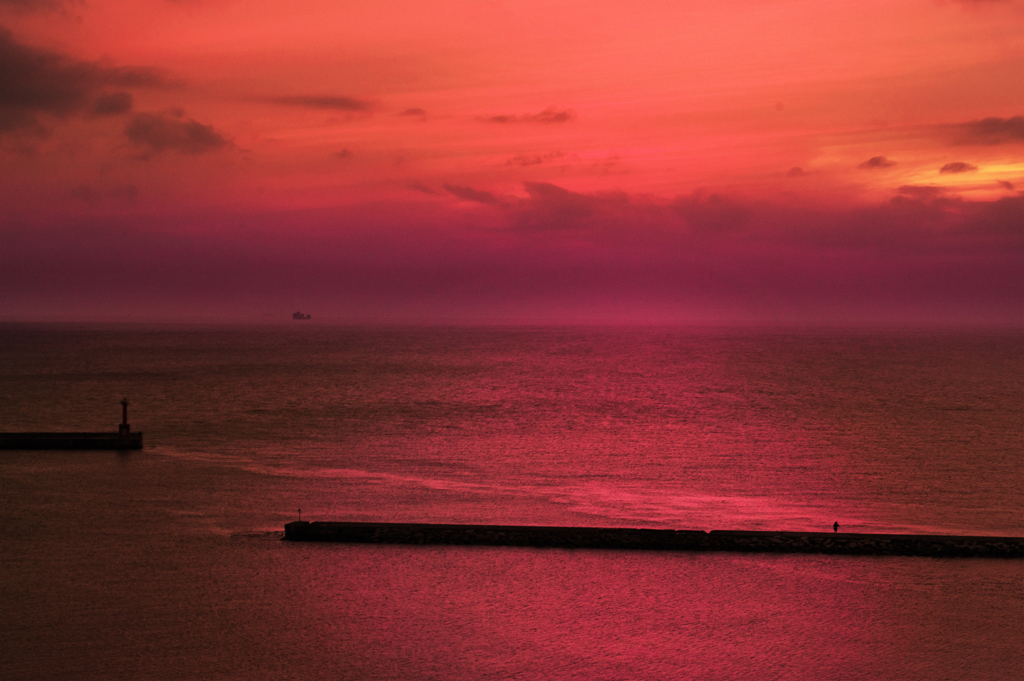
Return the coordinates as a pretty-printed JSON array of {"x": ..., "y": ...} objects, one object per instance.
[{"x": 161, "y": 132}]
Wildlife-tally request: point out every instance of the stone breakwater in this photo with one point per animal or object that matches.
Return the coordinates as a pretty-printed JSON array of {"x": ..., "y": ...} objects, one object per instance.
[
  {"x": 658, "y": 540},
  {"x": 71, "y": 440}
]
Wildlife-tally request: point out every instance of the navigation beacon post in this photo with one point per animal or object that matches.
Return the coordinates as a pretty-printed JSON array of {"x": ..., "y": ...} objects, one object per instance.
[{"x": 124, "y": 429}]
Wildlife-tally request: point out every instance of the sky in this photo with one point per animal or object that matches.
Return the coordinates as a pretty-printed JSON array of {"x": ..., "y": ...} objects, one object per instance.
[{"x": 493, "y": 161}]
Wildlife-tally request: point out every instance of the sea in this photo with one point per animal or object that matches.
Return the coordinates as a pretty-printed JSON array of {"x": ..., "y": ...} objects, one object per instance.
[{"x": 168, "y": 562}]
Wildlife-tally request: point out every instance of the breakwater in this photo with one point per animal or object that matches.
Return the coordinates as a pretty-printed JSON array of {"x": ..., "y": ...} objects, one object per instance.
[
  {"x": 70, "y": 440},
  {"x": 658, "y": 540},
  {"x": 124, "y": 438}
]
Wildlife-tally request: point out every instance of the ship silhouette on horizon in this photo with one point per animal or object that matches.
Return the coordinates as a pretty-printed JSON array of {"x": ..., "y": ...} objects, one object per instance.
[{"x": 299, "y": 315}]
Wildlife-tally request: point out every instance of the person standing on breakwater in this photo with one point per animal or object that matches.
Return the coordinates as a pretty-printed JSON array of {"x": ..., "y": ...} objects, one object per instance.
[{"x": 835, "y": 527}]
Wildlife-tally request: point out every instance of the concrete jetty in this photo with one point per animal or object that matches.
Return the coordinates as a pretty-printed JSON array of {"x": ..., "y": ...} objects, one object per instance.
[
  {"x": 637, "y": 539},
  {"x": 124, "y": 438}
]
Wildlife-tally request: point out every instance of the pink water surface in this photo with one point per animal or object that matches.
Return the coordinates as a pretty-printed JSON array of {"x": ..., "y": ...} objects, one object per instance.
[{"x": 167, "y": 564}]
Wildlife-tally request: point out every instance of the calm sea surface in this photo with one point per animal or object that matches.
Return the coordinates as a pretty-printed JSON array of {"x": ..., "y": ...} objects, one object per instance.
[{"x": 166, "y": 563}]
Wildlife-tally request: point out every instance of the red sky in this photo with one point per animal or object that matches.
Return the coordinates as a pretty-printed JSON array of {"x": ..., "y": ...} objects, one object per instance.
[{"x": 513, "y": 161}]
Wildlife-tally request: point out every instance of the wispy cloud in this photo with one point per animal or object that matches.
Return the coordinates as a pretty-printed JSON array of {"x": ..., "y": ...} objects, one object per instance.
[
  {"x": 420, "y": 187},
  {"x": 533, "y": 159},
  {"x": 549, "y": 115},
  {"x": 957, "y": 167},
  {"x": 170, "y": 132},
  {"x": 711, "y": 212},
  {"x": 334, "y": 102},
  {"x": 40, "y": 5},
  {"x": 470, "y": 194},
  {"x": 36, "y": 82},
  {"x": 877, "y": 162},
  {"x": 921, "y": 192},
  {"x": 550, "y": 207},
  {"x": 992, "y": 130},
  {"x": 112, "y": 104}
]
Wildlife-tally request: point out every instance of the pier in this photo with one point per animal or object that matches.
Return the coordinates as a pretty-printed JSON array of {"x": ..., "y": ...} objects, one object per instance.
[
  {"x": 636, "y": 539},
  {"x": 124, "y": 438}
]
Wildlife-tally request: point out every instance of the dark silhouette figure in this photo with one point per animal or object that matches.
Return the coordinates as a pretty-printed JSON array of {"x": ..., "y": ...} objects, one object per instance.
[{"x": 835, "y": 527}]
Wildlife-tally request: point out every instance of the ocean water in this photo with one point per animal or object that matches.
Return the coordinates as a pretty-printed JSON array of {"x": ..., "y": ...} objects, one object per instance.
[{"x": 167, "y": 563}]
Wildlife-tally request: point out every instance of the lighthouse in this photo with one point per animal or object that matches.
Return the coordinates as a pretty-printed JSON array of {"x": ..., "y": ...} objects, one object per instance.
[{"x": 124, "y": 429}]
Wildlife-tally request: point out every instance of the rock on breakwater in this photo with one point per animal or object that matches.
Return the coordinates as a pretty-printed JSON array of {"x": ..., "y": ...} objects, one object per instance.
[{"x": 658, "y": 540}]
